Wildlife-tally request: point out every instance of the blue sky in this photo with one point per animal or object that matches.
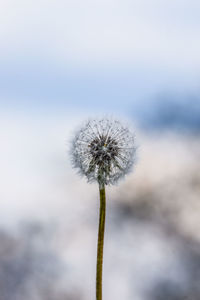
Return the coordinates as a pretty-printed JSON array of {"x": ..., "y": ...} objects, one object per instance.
[
  {"x": 105, "y": 56},
  {"x": 63, "y": 60}
]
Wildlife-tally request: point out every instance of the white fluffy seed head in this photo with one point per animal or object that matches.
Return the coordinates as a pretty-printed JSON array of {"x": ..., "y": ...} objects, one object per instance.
[{"x": 103, "y": 150}]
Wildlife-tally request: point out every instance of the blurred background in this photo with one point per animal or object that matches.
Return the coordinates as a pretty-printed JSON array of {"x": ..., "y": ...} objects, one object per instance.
[{"x": 61, "y": 62}]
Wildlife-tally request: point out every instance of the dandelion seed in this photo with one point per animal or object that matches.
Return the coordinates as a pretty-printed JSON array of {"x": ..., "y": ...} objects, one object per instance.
[{"x": 103, "y": 150}]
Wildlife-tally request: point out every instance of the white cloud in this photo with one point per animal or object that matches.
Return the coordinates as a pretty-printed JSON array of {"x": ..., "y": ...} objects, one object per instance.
[{"x": 156, "y": 32}]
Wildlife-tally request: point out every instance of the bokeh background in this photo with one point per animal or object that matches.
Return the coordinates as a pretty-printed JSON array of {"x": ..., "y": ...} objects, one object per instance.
[{"x": 64, "y": 61}]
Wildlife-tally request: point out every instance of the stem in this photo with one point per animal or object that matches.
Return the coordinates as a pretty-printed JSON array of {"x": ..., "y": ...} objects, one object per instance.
[{"x": 102, "y": 215}]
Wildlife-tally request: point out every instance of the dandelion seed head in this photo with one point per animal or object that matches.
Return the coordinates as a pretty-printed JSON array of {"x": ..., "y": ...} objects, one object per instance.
[{"x": 103, "y": 150}]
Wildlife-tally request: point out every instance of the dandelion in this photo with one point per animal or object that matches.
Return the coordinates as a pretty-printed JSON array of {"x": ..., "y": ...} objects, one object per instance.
[{"x": 103, "y": 151}]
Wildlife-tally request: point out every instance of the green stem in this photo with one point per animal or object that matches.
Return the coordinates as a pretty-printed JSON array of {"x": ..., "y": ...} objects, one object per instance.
[{"x": 102, "y": 215}]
